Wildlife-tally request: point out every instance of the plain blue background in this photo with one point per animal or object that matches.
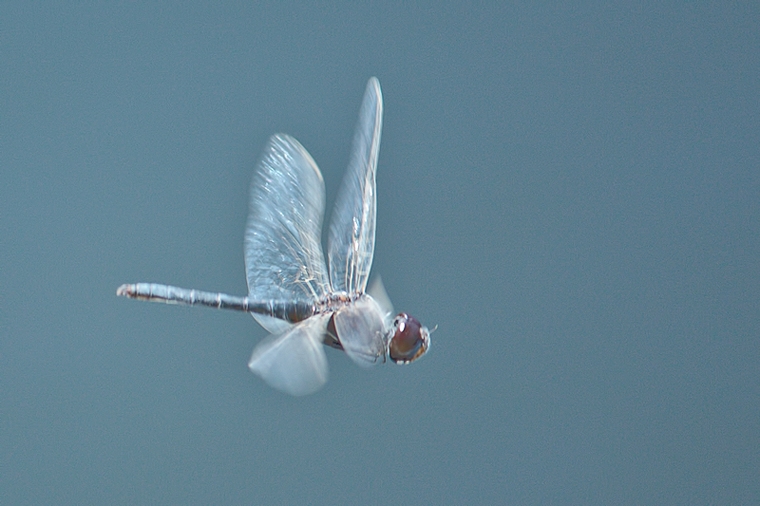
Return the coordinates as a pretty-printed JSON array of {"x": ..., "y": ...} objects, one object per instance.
[{"x": 570, "y": 192}]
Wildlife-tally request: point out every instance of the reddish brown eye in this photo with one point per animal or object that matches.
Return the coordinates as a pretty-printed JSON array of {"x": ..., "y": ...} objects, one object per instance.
[{"x": 410, "y": 339}]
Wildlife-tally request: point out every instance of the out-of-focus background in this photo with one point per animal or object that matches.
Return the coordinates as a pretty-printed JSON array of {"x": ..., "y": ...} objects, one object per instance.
[{"x": 571, "y": 193}]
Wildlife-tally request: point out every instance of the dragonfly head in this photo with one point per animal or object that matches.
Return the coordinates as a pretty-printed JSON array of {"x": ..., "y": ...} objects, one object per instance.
[{"x": 410, "y": 340}]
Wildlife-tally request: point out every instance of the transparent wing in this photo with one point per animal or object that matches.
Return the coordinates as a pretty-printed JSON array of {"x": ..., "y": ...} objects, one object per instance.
[
  {"x": 351, "y": 241},
  {"x": 271, "y": 324},
  {"x": 283, "y": 251},
  {"x": 377, "y": 291},
  {"x": 293, "y": 362},
  {"x": 361, "y": 331}
]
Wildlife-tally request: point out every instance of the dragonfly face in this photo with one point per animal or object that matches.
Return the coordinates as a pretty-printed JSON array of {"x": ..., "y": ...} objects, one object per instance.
[{"x": 410, "y": 339}]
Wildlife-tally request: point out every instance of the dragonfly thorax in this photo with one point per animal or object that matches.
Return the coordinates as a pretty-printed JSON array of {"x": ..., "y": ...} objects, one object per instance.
[{"x": 336, "y": 300}]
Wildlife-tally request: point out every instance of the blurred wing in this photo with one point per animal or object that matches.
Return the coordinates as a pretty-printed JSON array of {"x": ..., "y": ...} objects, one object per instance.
[
  {"x": 351, "y": 242},
  {"x": 377, "y": 291},
  {"x": 271, "y": 324},
  {"x": 293, "y": 362},
  {"x": 361, "y": 331},
  {"x": 283, "y": 250}
]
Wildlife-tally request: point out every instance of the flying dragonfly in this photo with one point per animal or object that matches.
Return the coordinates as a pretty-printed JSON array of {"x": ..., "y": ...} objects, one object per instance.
[{"x": 291, "y": 292}]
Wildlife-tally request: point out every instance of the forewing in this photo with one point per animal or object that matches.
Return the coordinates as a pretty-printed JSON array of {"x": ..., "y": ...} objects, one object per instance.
[
  {"x": 361, "y": 331},
  {"x": 377, "y": 291},
  {"x": 293, "y": 362},
  {"x": 351, "y": 240},
  {"x": 283, "y": 251}
]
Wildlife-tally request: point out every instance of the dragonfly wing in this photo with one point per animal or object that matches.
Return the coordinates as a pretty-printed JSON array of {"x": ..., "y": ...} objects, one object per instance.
[
  {"x": 293, "y": 362},
  {"x": 377, "y": 291},
  {"x": 351, "y": 241},
  {"x": 283, "y": 250},
  {"x": 361, "y": 331},
  {"x": 271, "y": 324}
]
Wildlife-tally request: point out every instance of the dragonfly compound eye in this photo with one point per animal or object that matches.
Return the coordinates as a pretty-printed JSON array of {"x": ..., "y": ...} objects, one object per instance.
[{"x": 410, "y": 339}]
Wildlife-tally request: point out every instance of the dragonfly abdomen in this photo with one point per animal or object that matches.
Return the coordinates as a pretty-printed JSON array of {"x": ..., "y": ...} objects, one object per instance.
[{"x": 290, "y": 311}]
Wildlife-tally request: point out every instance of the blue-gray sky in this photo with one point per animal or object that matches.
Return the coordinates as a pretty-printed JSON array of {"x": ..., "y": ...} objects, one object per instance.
[{"x": 571, "y": 193}]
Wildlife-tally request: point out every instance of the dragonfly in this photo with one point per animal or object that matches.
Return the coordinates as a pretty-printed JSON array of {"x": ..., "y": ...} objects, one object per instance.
[{"x": 292, "y": 293}]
